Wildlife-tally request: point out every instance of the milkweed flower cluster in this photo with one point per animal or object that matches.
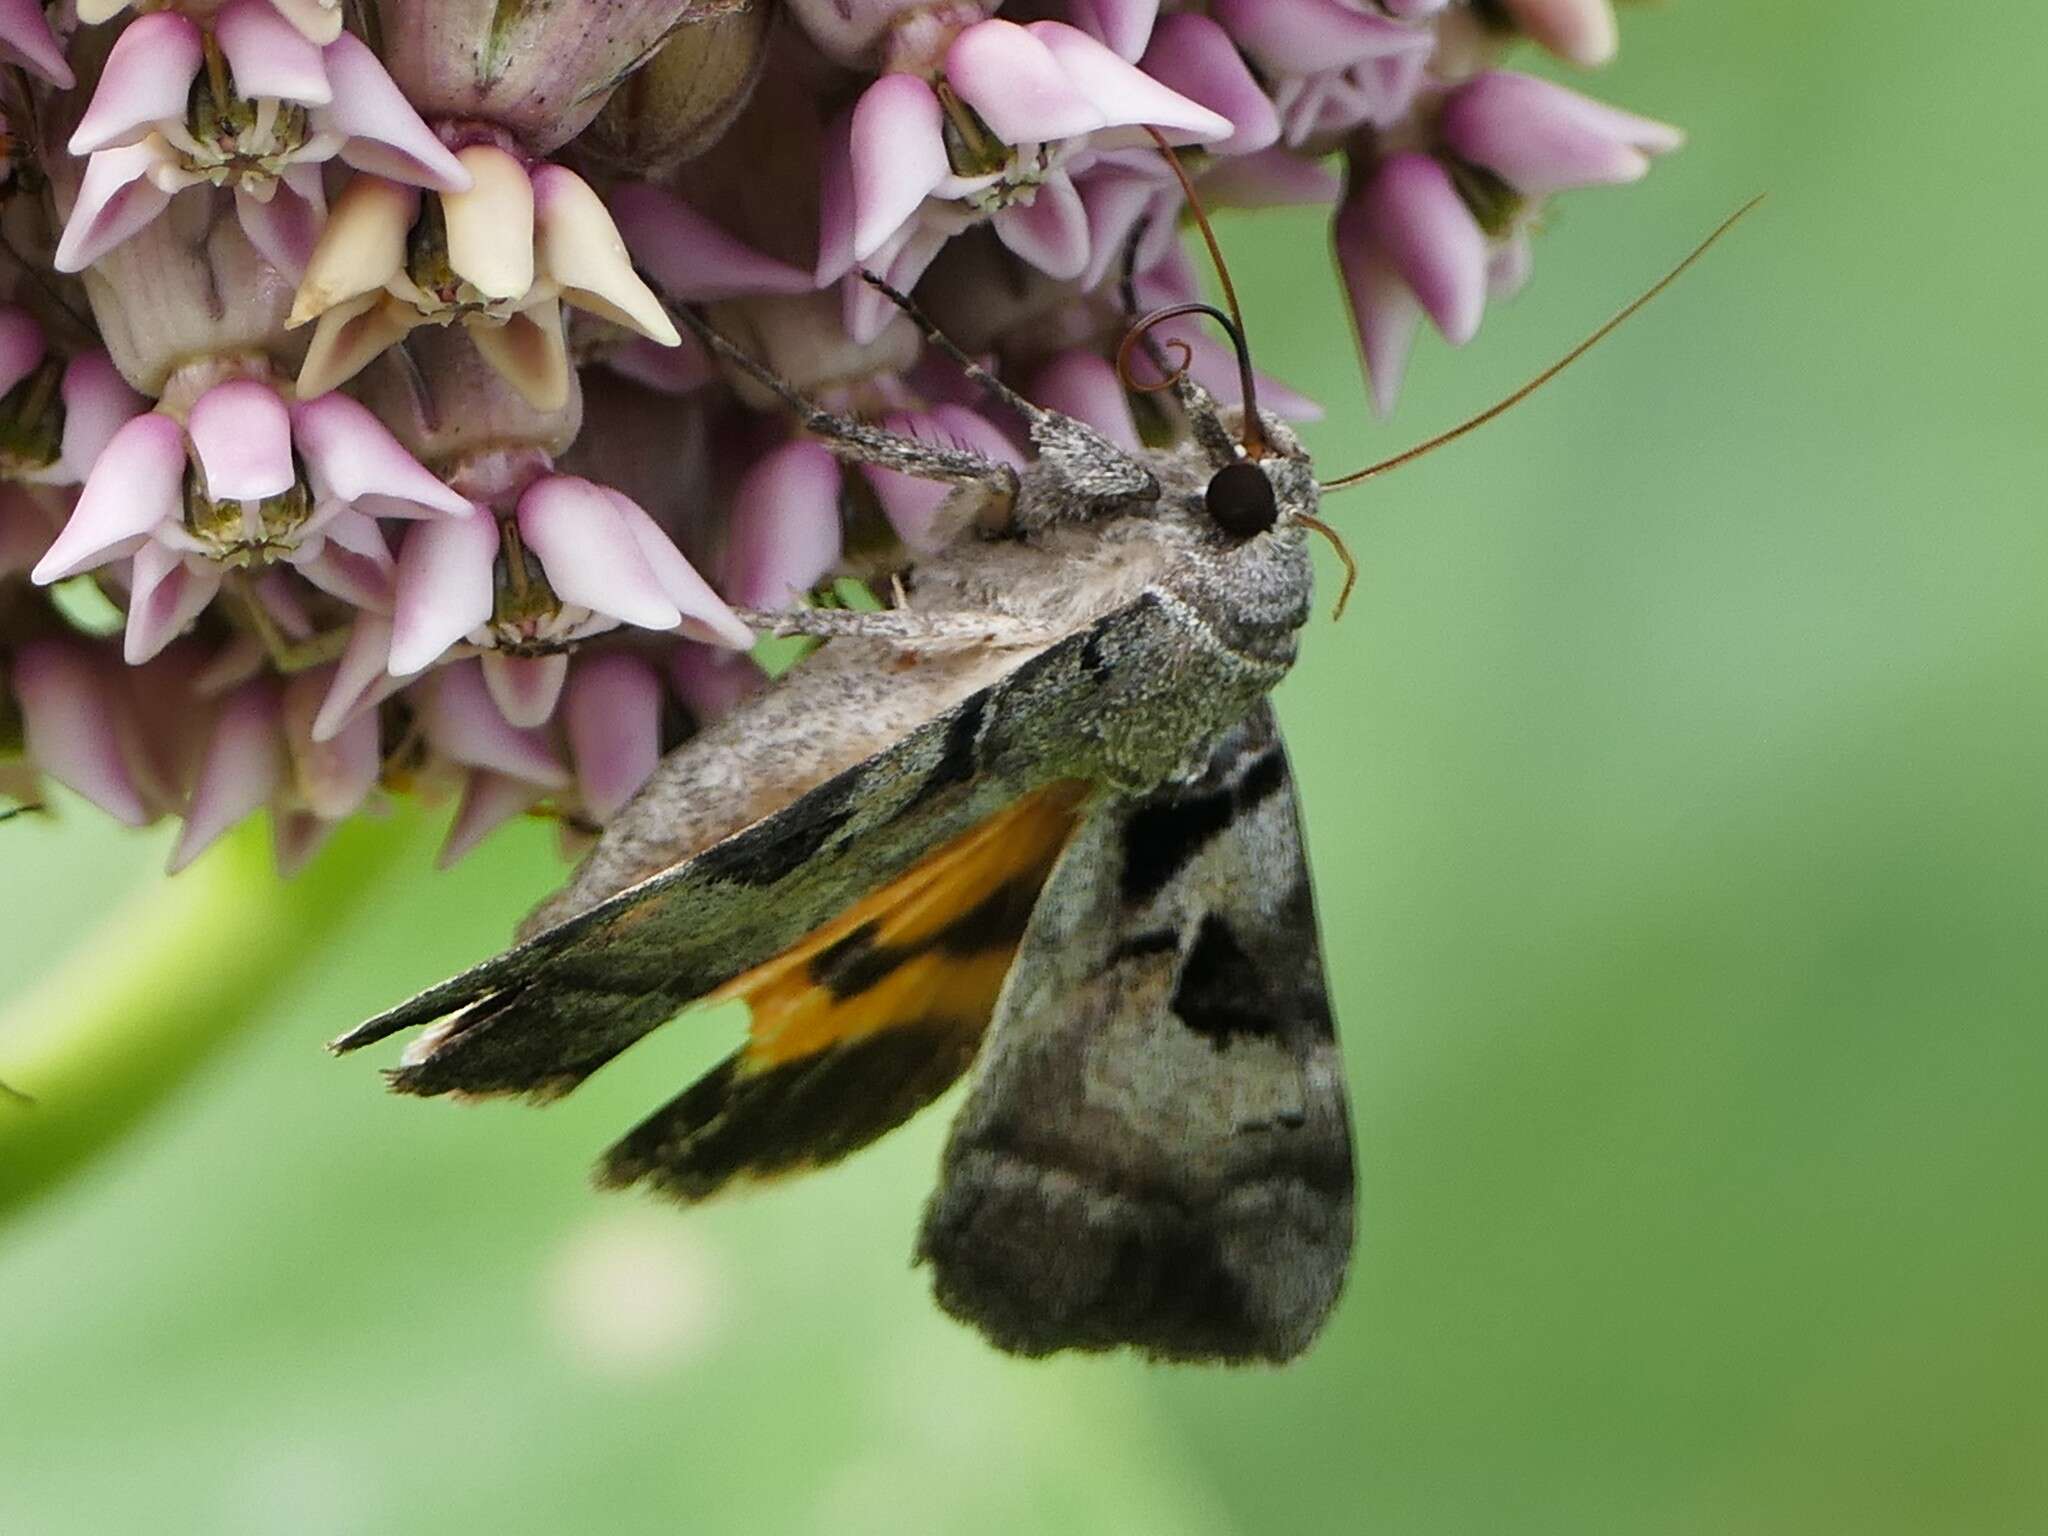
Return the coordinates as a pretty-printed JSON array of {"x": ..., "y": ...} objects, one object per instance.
[{"x": 348, "y": 443}]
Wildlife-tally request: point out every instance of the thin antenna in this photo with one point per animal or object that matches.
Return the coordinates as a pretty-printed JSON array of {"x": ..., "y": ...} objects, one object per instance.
[
  {"x": 1254, "y": 429},
  {"x": 1359, "y": 475}
]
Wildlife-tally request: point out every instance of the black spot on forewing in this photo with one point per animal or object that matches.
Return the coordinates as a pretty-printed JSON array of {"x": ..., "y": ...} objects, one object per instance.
[
  {"x": 1093, "y": 662},
  {"x": 957, "y": 759},
  {"x": 1221, "y": 993},
  {"x": 772, "y": 850}
]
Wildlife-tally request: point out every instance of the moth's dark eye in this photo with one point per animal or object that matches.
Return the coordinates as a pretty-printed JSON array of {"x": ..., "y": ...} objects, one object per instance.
[{"x": 1240, "y": 498}]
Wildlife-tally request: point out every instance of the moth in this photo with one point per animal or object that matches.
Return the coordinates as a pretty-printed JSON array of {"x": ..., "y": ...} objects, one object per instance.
[{"x": 1034, "y": 825}]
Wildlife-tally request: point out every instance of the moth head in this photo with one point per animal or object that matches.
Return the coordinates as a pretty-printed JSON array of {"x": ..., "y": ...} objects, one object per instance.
[{"x": 1258, "y": 474}]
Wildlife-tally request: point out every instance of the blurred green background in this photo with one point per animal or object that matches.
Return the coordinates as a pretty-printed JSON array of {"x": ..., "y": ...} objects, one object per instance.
[{"x": 1676, "y": 794}]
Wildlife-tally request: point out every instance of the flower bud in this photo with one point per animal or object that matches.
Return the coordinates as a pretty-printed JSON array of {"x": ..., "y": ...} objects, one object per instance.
[
  {"x": 677, "y": 105},
  {"x": 542, "y": 72}
]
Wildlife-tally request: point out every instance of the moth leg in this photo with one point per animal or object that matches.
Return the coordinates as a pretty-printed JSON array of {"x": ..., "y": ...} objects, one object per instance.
[
  {"x": 903, "y": 627},
  {"x": 856, "y": 441},
  {"x": 1098, "y": 473}
]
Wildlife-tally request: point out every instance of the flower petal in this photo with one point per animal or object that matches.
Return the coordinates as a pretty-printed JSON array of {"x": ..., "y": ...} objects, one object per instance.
[
  {"x": 525, "y": 688},
  {"x": 148, "y": 74},
  {"x": 592, "y": 558},
  {"x": 490, "y": 226},
  {"x": 1541, "y": 137},
  {"x": 1123, "y": 93},
  {"x": 116, "y": 199},
  {"x": 166, "y": 593},
  {"x": 1085, "y": 386},
  {"x": 1193, "y": 55},
  {"x": 352, "y": 562},
  {"x": 242, "y": 436},
  {"x": 704, "y": 614},
  {"x": 785, "y": 531},
  {"x": 268, "y": 56},
  {"x": 612, "y": 718},
  {"x": 1313, "y": 37},
  {"x": 693, "y": 260},
  {"x": 334, "y": 774},
  {"x": 137, "y": 483},
  {"x": 351, "y": 456},
  {"x": 97, "y": 404},
  {"x": 1383, "y": 310},
  {"x": 21, "y": 345},
  {"x": 897, "y": 153},
  {"x": 1050, "y": 231},
  {"x": 711, "y": 680},
  {"x": 351, "y": 336},
  {"x": 1016, "y": 83},
  {"x": 359, "y": 678},
  {"x": 1423, "y": 227},
  {"x": 463, "y": 724},
  {"x": 528, "y": 352},
  {"x": 242, "y": 768},
  {"x": 1582, "y": 32},
  {"x": 68, "y": 717},
  {"x": 1125, "y": 25},
  {"x": 443, "y": 589},
  {"x": 361, "y": 246},
  {"x": 320, "y": 20},
  {"x": 489, "y": 800},
  {"x": 385, "y": 136},
  {"x": 26, "y": 39},
  {"x": 285, "y": 226},
  {"x": 580, "y": 249}
]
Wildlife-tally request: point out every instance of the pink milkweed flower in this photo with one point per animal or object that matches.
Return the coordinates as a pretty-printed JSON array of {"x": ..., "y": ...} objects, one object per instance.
[
  {"x": 1014, "y": 112},
  {"x": 55, "y": 416},
  {"x": 250, "y": 104},
  {"x": 500, "y": 257},
  {"x": 318, "y": 20},
  {"x": 261, "y": 752},
  {"x": 244, "y": 483},
  {"x": 1331, "y": 66},
  {"x": 1134, "y": 192},
  {"x": 26, "y": 40},
  {"x": 127, "y": 738},
  {"x": 574, "y": 559},
  {"x": 1408, "y": 245},
  {"x": 786, "y": 533},
  {"x": 1540, "y": 138}
]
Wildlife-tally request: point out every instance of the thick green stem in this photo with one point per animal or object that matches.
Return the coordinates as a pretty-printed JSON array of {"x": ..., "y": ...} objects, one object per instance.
[{"x": 169, "y": 978}]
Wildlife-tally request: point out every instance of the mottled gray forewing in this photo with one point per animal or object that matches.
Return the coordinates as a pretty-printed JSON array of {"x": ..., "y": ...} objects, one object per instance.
[
  {"x": 1157, "y": 1151},
  {"x": 540, "y": 1017}
]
